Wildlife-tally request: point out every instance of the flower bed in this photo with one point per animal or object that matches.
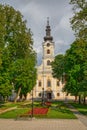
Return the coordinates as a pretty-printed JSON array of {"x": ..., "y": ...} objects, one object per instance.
[{"x": 39, "y": 111}]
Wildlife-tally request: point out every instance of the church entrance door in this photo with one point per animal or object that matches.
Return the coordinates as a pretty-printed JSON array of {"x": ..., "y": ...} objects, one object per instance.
[{"x": 49, "y": 95}]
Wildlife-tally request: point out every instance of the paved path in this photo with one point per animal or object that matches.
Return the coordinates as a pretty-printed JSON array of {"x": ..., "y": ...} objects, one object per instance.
[
  {"x": 42, "y": 124},
  {"x": 80, "y": 116},
  {"x": 8, "y": 109}
]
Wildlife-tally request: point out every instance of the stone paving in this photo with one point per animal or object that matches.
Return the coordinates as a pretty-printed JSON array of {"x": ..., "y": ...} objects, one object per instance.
[
  {"x": 42, "y": 124},
  {"x": 80, "y": 116}
]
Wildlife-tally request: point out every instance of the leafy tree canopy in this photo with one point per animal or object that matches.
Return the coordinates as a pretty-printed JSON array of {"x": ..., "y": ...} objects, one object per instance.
[
  {"x": 58, "y": 66},
  {"x": 79, "y": 20},
  {"x": 17, "y": 57}
]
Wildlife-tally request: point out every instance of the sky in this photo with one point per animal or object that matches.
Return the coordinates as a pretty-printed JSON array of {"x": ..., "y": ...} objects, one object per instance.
[{"x": 36, "y": 13}]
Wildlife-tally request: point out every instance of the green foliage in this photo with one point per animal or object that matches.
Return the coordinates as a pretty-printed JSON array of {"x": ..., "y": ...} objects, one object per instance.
[
  {"x": 17, "y": 57},
  {"x": 74, "y": 63},
  {"x": 75, "y": 68},
  {"x": 76, "y": 56},
  {"x": 5, "y": 83},
  {"x": 24, "y": 74},
  {"x": 80, "y": 107},
  {"x": 79, "y": 20},
  {"x": 58, "y": 66},
  {"x": 14, "y": 113}
]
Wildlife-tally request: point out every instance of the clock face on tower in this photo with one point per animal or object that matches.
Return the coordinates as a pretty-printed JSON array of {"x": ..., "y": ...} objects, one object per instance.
[{"x": 48, "y": 44}]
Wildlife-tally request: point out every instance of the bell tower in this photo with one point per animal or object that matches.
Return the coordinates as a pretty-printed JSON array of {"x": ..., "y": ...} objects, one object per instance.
[
  {"x": 48, "y": 48},
  {"x": 47, "y": 87}
]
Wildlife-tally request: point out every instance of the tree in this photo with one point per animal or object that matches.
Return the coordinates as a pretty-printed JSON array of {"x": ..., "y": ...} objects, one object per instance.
[
  {"x": 5, "y": 79},
  {"x": 17, "y": 44},
  {"x": 79, "y": 20},
  {"x": 24, "y": 76},
  {"x": 58, "y": 66},
  {"x": 77, "y": 54},
  {"x": 75, "y": 62}
]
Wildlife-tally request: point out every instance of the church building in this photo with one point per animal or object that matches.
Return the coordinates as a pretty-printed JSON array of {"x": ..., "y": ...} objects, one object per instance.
[{"x": 47, "y": 86}]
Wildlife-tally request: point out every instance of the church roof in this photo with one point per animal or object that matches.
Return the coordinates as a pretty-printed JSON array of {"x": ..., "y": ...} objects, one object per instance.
[{"x": 48, "y": 32}]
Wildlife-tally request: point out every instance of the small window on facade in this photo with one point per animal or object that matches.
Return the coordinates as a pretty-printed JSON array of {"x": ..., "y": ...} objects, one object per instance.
[
  {"x": 49, "y": 83},
  {"x": 48, "y": 44},
  {"x": 39, "y": 94},
  {"x": 48, "y": 62},
  {"x": 58, "y": 94},
  {"x": 48, "y": 51},
  {"x": 58, "y": 83},
  {"x": 39, "y": 84}
]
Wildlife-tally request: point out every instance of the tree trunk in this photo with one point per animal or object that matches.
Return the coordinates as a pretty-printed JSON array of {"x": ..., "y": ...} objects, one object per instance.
[
  {"x": 84, "y": 100},
  {"x": 75, "y": 98},
  {"x": 19, "y": 90},
  {"x": 25, "y": 97},
  {"x": 20, "y": 96},
  {"x": 79, "y": 99},
  {"x": 5, "y": 99}
]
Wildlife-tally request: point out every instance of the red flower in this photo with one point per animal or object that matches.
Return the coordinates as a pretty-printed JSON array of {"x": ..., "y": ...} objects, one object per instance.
[{"x": 39, "y": 111}]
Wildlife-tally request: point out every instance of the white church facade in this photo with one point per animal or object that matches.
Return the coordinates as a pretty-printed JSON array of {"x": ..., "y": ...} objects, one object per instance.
[{"x": 46, "y": 85}]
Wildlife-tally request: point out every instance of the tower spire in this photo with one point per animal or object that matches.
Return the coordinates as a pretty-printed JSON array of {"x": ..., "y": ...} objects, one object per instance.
[{"x": 48, "y": 32}]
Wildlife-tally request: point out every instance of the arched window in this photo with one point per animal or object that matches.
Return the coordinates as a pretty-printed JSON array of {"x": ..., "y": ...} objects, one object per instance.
[
  {"x": 48, "y": 83},
  {"x": 39, "y": 94},
  {"x": 48, "y": 51},
  {"x": 58, "y": 94},
  {"x": 48, "y": 62},
  {"x": 39, "y": 84}
]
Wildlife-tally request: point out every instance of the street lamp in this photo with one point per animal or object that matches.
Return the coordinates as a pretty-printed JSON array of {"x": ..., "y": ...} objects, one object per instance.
[
  {"x": 32, "y": 105},
  {"x": 42, "y": 96}
]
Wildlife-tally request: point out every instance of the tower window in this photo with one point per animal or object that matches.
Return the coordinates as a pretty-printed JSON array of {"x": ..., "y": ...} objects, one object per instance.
[
  {"x": 49, "y": 83},
  {"x": 48, "y": 51},
  {"x": 39, "y": 94},
  {"x": 48, "y": 44},
  {"x": 39, "y": 84},
  {"x": 48, "y": 62}
]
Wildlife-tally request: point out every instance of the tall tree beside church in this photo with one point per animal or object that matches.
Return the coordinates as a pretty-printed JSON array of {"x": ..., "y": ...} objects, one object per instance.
[
  {"x": 76, "y": 68},
  {"x": 5, "y": 86},
  {"x": 17, "y": 44},
  {"x": 79, "y": 25},
  {"x": 79, "y": 20},
  {"x": 58, "y": 66},
  {"x": 24, "y": 75}
]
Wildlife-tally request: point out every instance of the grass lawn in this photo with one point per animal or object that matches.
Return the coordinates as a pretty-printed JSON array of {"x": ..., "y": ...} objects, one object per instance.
[
  {"x": 56, "y": 110},
  {"x": 8, "y": 105},
  {"x": 61, "y": 113},
  {"x": 80, "y": 107},
  {"x": 14, "y": 113},
  {"x": 12, "y": 104}
]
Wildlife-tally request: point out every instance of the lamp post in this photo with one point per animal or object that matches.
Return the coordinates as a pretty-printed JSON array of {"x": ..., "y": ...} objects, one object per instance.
[
  {"x": 42, "y": 96},
  {"x": 32, "y": 105}
]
